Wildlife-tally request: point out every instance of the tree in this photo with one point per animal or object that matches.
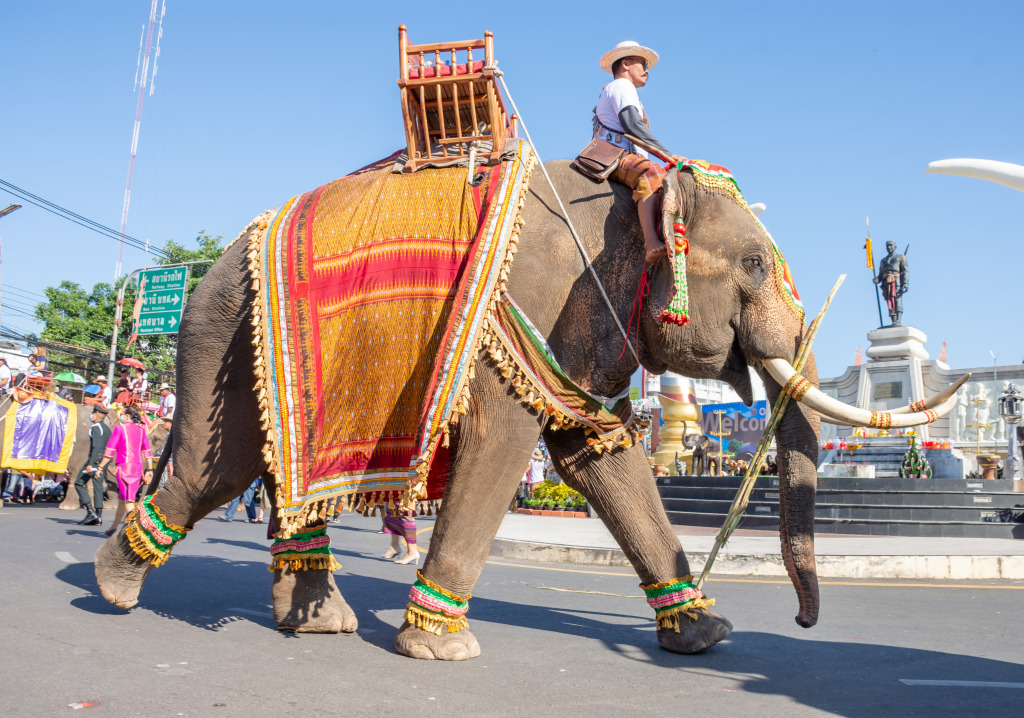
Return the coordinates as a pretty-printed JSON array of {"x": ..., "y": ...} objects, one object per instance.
[
  {"x": 915, "y": 465},
  {"x": 73, "y": 316}
]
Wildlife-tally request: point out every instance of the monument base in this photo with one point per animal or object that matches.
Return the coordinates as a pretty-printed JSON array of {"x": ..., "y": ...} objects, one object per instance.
[
  {"x": 902, "y": 342},
  {"x": 847, "y": 471}
]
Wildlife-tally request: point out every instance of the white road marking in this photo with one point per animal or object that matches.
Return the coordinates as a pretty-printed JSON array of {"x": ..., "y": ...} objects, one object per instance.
[
  {"x": 264, "y": 614},
  {"x": 65, "y": 557},
  {"x": 961, "y": 684}
]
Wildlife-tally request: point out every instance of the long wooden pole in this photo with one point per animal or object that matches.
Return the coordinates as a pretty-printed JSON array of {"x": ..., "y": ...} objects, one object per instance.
[{"x": 739, "y": 504}]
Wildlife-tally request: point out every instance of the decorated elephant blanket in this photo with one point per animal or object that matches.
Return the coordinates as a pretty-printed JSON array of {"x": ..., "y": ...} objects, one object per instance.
[
  {"x": 39, "y": 433},
  {"x": 372, "y": 292}
]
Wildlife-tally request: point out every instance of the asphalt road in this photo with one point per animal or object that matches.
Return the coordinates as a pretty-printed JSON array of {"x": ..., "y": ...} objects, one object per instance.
[{"x": 202, "y": 642}]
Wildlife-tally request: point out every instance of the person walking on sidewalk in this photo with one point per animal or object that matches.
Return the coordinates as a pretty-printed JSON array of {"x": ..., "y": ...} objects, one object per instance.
[
  {"x": 130, "y": 445},
  {"x": 99, "y": 435},
  {"x": 248, "y": 497},
  {"x": 401, "y": 524}
]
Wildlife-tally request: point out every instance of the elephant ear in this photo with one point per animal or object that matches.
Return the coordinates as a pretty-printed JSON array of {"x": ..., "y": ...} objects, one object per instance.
[{"x": 673, "y": 231}]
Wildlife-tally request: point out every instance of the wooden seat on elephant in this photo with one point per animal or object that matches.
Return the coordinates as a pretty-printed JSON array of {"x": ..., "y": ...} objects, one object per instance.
[
  {"x": 41, "y": 382},
  {"x": 450, "y": 100}
]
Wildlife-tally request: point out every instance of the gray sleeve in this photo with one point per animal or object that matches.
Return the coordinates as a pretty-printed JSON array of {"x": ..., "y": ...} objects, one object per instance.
[{"x": 634, "y": 125}]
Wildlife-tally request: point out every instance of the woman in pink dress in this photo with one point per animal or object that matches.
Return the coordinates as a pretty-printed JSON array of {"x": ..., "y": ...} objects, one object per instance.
[{"x": 129, "y": 447}]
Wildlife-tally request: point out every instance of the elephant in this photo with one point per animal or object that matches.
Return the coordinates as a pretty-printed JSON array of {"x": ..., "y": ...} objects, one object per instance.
[
  {"x": 738, "y": 317},
  {"x": 704, "y": 452}
]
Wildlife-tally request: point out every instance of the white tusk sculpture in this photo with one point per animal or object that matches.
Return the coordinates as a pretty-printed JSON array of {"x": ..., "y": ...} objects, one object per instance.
[
  {"x": 933, "y": 401},
  {"x": 1004, "y": 173},
  {"x": 802, "y": 390}
]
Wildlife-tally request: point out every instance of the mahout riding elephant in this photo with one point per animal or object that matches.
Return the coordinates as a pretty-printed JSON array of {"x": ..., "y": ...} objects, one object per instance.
[{"x": 739, "y": 316}]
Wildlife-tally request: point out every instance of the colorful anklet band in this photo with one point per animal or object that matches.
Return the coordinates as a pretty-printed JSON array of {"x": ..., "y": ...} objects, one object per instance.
[
  {"x": 309, "y": 550},
  {"x": 433, "y": 609},
  {"x": 674, "y": 598},
  {"x": 149, "y": 534}
]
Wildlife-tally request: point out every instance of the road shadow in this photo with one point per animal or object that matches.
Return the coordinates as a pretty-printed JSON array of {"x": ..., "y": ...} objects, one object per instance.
[
  {"x": 862, "y": 679},
  {"x": 840, "y": 678}
]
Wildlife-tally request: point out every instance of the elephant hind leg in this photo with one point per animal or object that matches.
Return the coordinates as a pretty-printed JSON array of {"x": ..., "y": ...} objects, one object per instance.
[{"x": 491, "y": 449}]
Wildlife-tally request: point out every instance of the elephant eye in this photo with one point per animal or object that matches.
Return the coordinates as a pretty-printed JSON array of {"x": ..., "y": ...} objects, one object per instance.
[{"x": 754, "y": 266}]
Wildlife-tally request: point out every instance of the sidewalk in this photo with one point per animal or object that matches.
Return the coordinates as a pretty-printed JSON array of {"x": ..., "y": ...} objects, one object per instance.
[{"x": 757, "y": 553}]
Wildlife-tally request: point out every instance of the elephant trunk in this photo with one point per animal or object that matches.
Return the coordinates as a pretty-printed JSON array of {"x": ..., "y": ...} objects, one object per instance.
[{"x": 797, "y": 441}]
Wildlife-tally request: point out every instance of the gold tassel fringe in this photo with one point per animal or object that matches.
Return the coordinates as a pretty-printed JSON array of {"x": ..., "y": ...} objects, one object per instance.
[
  {"x": 436, "y": 623},
  {"x": 670, "y": 619},
  {"x": 142, "y": 547},
  {"x": 304, "y": 563}
]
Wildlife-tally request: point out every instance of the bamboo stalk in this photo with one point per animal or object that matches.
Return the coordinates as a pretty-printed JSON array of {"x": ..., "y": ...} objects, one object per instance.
[{"x": 739, "y": 504}]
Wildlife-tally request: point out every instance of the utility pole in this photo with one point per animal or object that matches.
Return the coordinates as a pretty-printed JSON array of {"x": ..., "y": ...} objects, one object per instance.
[
  {"x": 142, "y": 76},
  {"x": 3, "y": 213}
]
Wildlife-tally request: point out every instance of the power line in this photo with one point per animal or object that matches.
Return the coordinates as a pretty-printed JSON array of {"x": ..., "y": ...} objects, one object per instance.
[
  {"x": 27, "y": 293},
  {"x": 79, "y": 219}
]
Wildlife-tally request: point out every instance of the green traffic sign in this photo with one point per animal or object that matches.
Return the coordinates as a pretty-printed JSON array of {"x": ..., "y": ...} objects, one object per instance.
[{"x": 163, "y": 299}]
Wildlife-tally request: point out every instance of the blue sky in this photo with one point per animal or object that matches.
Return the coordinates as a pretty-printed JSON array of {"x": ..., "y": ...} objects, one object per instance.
[{"x": 826, "y": 112}]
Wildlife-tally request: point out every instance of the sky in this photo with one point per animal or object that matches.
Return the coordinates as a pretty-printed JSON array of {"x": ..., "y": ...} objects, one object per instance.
[{"x": 826, "y": 112}]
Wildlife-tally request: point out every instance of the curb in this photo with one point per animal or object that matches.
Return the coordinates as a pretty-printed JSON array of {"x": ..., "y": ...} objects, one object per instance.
[
  {"x": 917, "y": 567},
  {"x": 559, "y": 514}
]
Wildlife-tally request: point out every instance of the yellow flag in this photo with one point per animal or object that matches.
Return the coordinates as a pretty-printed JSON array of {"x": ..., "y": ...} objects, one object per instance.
[{"x": 871, "y": 259}]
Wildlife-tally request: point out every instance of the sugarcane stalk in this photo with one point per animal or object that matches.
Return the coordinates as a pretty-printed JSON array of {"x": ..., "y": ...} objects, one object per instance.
[{"x": 739, "y": 504}]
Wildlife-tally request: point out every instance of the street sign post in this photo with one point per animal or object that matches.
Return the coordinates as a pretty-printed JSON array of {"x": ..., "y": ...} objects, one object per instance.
[{"x": 163, "y": 299}]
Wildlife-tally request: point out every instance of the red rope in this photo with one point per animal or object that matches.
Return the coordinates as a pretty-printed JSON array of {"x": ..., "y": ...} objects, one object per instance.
[{"x": 638, "y": 305}]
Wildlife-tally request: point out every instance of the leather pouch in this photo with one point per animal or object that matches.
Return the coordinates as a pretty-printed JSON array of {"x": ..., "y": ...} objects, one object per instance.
[{"x": 598, "y": 160}]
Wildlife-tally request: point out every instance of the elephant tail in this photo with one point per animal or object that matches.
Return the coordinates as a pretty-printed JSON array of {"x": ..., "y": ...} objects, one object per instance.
[{"x": 165, "y": 456}]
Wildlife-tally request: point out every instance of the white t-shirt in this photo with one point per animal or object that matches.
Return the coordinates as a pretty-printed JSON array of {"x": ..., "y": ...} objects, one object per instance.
[
  {"x": 616, "y": 95},
  {"x": 167, "y": 406},
  {"x": 5, "y": 373},
  {"x": 105, "y": 395}
]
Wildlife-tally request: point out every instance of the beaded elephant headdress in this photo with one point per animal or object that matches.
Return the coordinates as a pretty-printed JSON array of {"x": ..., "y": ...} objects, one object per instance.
[{"x": 718, "y": 180}]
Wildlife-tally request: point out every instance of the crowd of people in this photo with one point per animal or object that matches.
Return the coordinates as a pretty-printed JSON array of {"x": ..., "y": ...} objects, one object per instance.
[{"x": 124, "y": 443}]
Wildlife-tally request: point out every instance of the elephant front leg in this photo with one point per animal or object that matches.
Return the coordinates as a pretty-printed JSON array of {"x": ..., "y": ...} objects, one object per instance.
[
  {"x": 492, "y": 449},
  {"x": 306, "y": 599},
  {"x": 620, "y": 487}
]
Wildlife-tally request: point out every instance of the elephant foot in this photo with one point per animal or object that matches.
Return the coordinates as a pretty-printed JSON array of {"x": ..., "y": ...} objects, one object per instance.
[
  {"x": 310, "y": 602},
  {"x": 417, "y": 643},
  {"x": 120, "y": 572},
  {"x": 695, "y": 636}
]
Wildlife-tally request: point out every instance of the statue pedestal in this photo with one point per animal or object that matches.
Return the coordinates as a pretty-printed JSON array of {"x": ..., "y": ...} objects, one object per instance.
[
  {"x": 893, "y": 377},
  {"x": 895, "y": 343}
]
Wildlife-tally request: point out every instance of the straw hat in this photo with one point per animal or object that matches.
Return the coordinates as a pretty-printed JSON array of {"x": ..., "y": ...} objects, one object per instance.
[{"x": 628, "y": 48}]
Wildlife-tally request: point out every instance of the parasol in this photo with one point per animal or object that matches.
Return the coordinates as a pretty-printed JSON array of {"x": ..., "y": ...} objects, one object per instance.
[
  {"x": 70, "y": 376},
  {"x": 91, "y": 389},
  {"x": 129, "y": 361}
]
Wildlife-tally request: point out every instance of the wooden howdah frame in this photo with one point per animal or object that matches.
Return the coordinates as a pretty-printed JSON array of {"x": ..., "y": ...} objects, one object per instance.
[{"x": 447, "y": 105}]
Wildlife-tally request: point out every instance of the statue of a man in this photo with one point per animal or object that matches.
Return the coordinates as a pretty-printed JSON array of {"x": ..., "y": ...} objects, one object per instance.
[{"x": 894, "y": 276}]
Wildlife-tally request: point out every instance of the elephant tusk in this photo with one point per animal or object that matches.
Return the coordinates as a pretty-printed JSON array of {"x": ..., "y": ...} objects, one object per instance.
[
  {"x": 801, "y": 389},
  {"x": 1004, "y": 173}
]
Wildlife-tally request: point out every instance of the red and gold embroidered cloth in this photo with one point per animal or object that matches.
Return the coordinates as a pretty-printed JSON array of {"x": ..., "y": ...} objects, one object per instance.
[{"x": 371, "y": 292}]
